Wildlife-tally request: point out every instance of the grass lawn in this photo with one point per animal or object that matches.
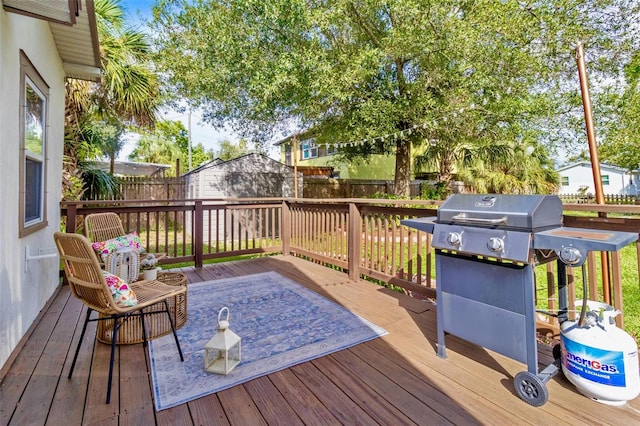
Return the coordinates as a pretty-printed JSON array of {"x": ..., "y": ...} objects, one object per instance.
[{"x": 630, "y": 288}]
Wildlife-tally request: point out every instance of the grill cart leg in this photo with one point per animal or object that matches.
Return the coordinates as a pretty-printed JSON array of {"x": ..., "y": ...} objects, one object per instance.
[{"x": 532, "y": 387}]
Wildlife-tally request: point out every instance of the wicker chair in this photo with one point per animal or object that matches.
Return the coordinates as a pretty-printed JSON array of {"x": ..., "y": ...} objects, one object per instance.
[
  {"x": 105, "y": 226},
  {"x": 87, "y": 283}
]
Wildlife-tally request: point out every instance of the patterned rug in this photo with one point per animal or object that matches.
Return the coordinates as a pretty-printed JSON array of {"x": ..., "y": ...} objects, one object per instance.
[{"x": 281, "y": 324}]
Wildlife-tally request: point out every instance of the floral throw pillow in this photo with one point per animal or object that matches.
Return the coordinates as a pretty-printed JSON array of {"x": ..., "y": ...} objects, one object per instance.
[
  {"x": 122, "y": 294},
  {"x": 105, "y": 248}
]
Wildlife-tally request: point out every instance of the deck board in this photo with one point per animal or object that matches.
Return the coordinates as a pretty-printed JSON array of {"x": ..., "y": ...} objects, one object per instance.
[
  {"x": 331, "y": 396},
  {"x": 274, "y": 408},
  {"x": 19, "y": 376},
  {"x": 395, "y": 379}
]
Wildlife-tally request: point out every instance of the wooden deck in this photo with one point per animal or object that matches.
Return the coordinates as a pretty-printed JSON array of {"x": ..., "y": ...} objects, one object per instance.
[{"x": 396, "y": 379}]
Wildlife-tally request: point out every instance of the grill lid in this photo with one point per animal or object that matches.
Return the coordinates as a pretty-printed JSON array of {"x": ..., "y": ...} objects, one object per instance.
[{"x": 522, "y": 212}]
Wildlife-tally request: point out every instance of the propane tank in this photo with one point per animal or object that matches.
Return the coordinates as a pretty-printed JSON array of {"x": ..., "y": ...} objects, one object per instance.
[{"x": 600, "y": 359}]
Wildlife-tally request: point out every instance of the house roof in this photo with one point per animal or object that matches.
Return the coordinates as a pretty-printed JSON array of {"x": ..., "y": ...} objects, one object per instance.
[
  {"x": 73, "y": 25},
  {"x": 129, "y": 168},
  {"x": 588, "y": 164},
  {"x": 301, "y": 135},
  {"x": 206, "y": 165}
]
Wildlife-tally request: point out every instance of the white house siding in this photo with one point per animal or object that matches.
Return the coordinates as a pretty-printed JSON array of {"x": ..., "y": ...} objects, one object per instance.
[
  {"x": 580, "y": 175},
  {"x": 25, "y": 289}
]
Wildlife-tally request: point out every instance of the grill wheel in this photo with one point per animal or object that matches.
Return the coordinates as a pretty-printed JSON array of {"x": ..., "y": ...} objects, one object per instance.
[{"x": 531, "y": 388}]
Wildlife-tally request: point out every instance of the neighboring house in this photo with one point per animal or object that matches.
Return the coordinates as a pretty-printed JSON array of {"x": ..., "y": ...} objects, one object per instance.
[
  {"x": 577, "y": 178},
  {"x": 41, "y": 43},
  {"x": 310, "y": 154},
  {"x": 248, "y": 176}
]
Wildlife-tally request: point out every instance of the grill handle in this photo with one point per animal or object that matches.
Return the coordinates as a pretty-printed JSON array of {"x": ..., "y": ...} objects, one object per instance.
[{"x": 462, "y": 217}]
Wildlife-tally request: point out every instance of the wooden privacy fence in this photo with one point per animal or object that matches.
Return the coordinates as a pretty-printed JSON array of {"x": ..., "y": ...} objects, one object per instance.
[
  {"x": 144, "y": 188},
  {"x": 362, "y": 237},
  {"x": 324, "y": 188}
]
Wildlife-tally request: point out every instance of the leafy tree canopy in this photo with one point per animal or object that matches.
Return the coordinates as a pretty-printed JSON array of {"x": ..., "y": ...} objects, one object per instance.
[
  {"x": 166, "y": 143},
  {"x": 446, "y": 72},
  {"x": 228, "y": 150},
  {"x": 622, "y": 143}
]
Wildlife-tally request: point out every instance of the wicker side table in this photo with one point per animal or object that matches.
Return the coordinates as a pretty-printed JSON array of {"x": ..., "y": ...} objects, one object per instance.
[{"x": 130, "y": 331}]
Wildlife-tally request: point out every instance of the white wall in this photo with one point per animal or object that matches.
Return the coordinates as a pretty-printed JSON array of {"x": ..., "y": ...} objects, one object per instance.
[
  {"x": 581, "y": 175},
  {"x": 24, "y": 292}
]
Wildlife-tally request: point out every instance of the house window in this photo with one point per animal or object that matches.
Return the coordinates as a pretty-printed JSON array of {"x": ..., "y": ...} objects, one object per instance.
[
  {"x": 605, "y": 179},
  {"x": 564, "y": 181},
  {"x": 332, "y": 149},
  {"x": 309, "y": 149},
  {"x": 287, "y": 155},
  {"x": 34, "y": 94}
]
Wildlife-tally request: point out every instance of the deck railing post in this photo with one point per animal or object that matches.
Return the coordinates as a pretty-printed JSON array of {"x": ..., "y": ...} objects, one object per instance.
[
  {"x": 72, "y": 214},
  {"x": 285, "y": 228},
  {"x": 198, "y": 229},
  {"x": 353, "y": 245}
]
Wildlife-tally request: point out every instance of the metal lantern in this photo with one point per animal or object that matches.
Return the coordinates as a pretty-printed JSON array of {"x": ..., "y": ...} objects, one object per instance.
[{"x": 223, "y": 351}]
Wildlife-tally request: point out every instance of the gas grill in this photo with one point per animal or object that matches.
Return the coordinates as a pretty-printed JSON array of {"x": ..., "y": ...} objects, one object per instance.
[{"x": 487, "y": 247}]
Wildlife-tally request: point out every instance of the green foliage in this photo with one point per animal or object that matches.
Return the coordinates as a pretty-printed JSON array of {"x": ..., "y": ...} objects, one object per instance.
[
  {"x": 228, "y": 150},
  {"x": 166, "y": 143},
  {"x": 622, "y": 144},
  {"x": 128, "y": 94},
  {"x": 630, "y": 292},
  {"x": 437, "y": 191},
  {"x": 458, "y": 74},
  {"x": 105, "y": 136},
  {"x": 98, "y": 184}
]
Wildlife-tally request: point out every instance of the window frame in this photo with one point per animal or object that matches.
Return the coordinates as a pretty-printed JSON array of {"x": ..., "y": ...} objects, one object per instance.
[
  {"x": 605, "y": 180},
  {"x": 564, "y": 180},
  {"x": 31, "y": 78},
  {"x": 309, "y": 149}
]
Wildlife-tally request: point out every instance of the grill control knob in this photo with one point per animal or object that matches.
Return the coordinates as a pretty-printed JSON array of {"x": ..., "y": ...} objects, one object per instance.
[
  {"x": 454, "y": 238},
  {"x": 570, "y": 256},
  {"x": 495, "y": 244}
]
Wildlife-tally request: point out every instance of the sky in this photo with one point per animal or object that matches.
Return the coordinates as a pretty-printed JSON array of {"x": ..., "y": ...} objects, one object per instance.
[{"x": 136, "y": 13}]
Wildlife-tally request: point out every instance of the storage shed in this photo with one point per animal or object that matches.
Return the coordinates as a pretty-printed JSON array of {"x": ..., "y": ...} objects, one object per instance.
[{"x": 249, "y": 176}]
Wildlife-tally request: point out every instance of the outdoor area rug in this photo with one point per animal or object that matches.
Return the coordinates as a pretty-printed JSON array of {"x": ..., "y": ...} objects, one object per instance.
[{"x": 280, "y": 322}]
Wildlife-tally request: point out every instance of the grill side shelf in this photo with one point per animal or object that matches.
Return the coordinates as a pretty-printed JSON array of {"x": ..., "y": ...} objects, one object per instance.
[
  {"x": 425, "y": 224},
  {"x": 583, "y": 239}
]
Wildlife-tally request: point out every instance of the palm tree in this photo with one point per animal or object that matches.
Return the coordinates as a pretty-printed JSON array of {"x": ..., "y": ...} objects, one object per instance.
[
  {"x": 496, "y": 167},
  {"x": 127, "y": 94}
]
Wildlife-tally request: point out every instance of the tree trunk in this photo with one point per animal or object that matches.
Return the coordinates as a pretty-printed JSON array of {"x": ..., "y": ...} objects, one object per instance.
[{"x": 403, "y": 169}]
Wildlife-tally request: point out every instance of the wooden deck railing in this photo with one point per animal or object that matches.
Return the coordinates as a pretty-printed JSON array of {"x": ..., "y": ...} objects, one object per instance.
[{"x": 363, "y": 237}]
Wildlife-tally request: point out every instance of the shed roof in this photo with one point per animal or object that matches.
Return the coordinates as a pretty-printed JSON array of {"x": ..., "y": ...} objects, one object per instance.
[{"x": 217, "y": 162}]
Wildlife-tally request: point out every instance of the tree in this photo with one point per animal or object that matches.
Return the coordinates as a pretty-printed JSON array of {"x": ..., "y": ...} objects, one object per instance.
[
  {"x": 106, "y": 136},
  {"x": 228, "y": 150},
  {"x": 387, "y": 74},
  {"x": 622, "y": 143},
  {"x": 168, "y": 142},
  {"x": 127, "y": 95}
]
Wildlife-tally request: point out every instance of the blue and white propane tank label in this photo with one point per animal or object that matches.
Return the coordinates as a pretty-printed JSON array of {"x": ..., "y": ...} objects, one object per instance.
[{"x": 600, "y": 366}]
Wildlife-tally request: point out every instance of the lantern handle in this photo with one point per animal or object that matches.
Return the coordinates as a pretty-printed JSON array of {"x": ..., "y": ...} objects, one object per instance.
[{"x": 223, "y": 324}]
